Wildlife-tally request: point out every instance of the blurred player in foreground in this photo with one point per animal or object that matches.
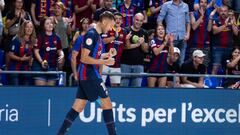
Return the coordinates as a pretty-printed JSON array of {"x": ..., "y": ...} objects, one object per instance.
[{"x": 91, "y": 87}]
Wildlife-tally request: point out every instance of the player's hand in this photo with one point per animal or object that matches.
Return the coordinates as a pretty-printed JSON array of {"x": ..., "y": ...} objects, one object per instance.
[
  {"x": 109, "y": 62},
  {"x": 75, "y": 76},
  {"x": 112, "y": 52}
]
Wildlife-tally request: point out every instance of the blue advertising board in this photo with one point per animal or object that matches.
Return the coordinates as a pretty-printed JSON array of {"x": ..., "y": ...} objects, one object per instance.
[{"x": 137, "y": 111}]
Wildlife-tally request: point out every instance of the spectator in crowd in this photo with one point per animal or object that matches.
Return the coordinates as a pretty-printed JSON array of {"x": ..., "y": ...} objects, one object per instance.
[
  {"x": 233, "y": 68},
  {"x": 2, "y": 4},
  {"x": 155, "y": 7},
  {"x": 116, "y": 3},
  {"x": 48, "y": 54},
  {"x": 69, "y": 12},
  {"x": 236, "y": 5},
  {"x": 77, "y": 42},
  {"x": 190, "y": 4},
  {"x": 14, "y": 19},
  {"x": 1, "y": 79},
  {"x": 128, "y": 10},
  {"x": 114, "y": 39},
  {"x": 211, "y": 4},
  {"x": 40, "y": 9},
  {"x": 176, "y": 11},
  {"x": 20, "y": 54},
  {"x": 194, "y": 66},
  {"x": 85, "y": 9},
  {"x": 107, "y": 6},
  {"x": 142, "y": 7},
  {"x": 200, "y": 34},
  {"x": 149, "y": 54},
  {"x": 161, "y": 45},
  {"x": 236, "y": 8},
  {"x": 133, "y": 53},
  {"x": 63, "y": 28},
  {"x": 173, "y": 67},
  {"x": 224, "y": 27}
]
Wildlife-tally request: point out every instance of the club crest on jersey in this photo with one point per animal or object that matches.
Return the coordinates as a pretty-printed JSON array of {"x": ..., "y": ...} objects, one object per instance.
[
  {"x": 121, "y": 36},
  {"x": 55, "y": 42},
  {"x": 89, "y": 41}
]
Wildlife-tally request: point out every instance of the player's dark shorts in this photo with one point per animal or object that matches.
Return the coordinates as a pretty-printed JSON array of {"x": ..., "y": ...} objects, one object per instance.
[{"x": 91, "y": 90}]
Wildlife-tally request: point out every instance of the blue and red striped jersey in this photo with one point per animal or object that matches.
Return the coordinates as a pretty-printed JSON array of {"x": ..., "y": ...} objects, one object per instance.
[
  {"x": 70, "y": 7},
  {"x": 20, "y": 49},
  {"x": 159, "y": 62},
  {"x": 43, "y": 7},
  {"x": 223, "y": 39},
  {"x": 118, "y": 44},
  {"x": 128, "y": 14},
  {"x": 156, "y": 4},
  {"x": 200, "y": 38},
  {"x": 93, "y": 42},
  {"x": 48, "y": 47}
]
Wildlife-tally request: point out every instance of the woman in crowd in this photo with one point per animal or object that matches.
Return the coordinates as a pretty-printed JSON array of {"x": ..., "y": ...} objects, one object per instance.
[
  {"x": 48, "y": 54},
  {"x": 14, "y": 18},
  {"x": 20, "y": 53},
  {"x": 233, "y": 68},
  {"x": 63, "y": 29},
  {"x": 161, "y": 45}
]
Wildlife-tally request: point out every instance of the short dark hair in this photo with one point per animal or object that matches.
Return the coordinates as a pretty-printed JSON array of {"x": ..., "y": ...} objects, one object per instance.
[
  {"x": 118, "y": 13},
  {"x": 106, "y": 15}
]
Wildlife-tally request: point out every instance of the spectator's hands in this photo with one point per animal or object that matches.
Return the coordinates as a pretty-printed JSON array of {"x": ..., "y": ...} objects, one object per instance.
[
  {"x": 25, "y": 58},
  {"x": 141, "y": 40},
  {"x": 129, "y": 35},
  {"x": 186, "y": 37},
  {"x": 112, "y": 52},
  {"x": 202, "y": 12},
  {"x": 36, "y": 22},
  {"x": 89, "y": 2},
  {"x": 213, "y": 13},
  {"x": 166, "y": 38},
  {"x": 171, "y": 38},
  {"x": 228, "y": 22}
]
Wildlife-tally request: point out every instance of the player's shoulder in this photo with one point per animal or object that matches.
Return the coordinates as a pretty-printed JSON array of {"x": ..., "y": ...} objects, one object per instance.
[{"x": 91, "y": 32}]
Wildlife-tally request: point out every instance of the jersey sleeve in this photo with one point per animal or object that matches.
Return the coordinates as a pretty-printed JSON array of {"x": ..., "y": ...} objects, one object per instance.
[
  {"x": 90, "y": 40},
  {"x": 77, "y": 44}
]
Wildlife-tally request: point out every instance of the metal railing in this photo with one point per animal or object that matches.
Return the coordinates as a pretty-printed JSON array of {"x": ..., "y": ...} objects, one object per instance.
[
  {"x": 37, "y": 72},
  {"x": 160, "y": 75}
]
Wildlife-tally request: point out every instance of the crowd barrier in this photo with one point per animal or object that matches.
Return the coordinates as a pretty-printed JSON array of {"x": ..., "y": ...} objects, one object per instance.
[
  {"x": 137, "y": 111},
  {"x": 212, "y": 81},
  {"x": 62, "y": 75}
]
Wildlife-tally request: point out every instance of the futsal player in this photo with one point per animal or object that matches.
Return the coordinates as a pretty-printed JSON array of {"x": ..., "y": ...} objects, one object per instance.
[{"x": 91, "y": 87}]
